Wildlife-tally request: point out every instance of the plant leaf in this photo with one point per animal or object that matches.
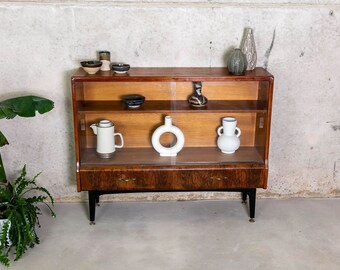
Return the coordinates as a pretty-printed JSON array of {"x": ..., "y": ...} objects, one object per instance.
[
  {"x": 4, "y": 259},
  {"x": 24, "y": 106},
  {"x": 2, "y": 172},
  {"x": 3, "y": 140}
]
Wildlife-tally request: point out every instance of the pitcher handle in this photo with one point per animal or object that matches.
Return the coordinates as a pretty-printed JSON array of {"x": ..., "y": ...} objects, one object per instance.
[
  {"x": 121, "y": 138},
  {"x": 238, "y": 132},
  {"x": 219, "y": 131}
]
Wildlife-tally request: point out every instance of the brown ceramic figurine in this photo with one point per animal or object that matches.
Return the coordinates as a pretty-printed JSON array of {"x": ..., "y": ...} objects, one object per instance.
[{"x": 197, "y": 99}]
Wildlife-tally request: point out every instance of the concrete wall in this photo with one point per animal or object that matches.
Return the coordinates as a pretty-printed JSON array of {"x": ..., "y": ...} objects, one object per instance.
[{"x": 42, "y": 43}]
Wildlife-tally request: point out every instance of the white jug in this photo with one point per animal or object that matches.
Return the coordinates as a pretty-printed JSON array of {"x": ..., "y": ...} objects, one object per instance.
[
  {"x": 229, "y": 140},
  {"x": 105, "y": 138}
]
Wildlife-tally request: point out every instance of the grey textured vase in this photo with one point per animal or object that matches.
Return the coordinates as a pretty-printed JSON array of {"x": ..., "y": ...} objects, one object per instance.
[
  {"x": 237, "y": 62},
  {"x": 249, "y": 49}
]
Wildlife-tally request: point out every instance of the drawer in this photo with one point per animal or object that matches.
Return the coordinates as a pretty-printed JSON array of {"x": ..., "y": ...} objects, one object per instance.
[
  {"x": 168, "y": 180},
  {"x": 125, "y": 180},
  {"x": 220, "y": 179}
]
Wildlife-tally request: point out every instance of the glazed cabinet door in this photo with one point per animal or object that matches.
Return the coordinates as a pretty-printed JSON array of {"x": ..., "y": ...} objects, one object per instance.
[{"x": 248, "y": 101}]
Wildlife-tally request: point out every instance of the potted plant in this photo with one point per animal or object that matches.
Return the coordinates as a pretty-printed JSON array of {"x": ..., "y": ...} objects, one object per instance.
[{"x": 18, "y": 207}]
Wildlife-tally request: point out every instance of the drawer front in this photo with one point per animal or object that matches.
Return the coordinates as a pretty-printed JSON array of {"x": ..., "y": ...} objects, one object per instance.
[
  {"x": 124, "y": 180},
  {"x": 220, "y": 179},
  {"x": 168, "y": 180}
]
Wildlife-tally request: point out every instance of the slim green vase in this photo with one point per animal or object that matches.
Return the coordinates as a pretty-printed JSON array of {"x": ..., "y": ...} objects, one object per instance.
[{"x": 237, "y": 62}]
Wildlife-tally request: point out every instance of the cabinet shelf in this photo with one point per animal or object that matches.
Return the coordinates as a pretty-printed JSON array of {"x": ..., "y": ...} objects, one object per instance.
[
  {"x": 170, "y": 74},
  {"x": 188, "y": 156},
  {"x": 174, "y": 106}
]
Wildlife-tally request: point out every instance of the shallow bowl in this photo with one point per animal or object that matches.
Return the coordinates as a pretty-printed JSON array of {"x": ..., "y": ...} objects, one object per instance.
[
  {"x": 134, "y": 101},
  {"x": 91, "y": 67},
  {"x": 120, "y": 68}
]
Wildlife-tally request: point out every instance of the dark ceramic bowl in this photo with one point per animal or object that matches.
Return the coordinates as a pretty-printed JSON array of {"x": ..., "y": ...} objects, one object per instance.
[
  {"x": 133, "y": 101},
  {"x": 120, "y": 68},
  {"x": 91, "y": 64}
]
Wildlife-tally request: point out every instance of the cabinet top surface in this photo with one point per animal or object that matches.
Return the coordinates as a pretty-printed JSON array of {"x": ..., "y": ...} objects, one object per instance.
[{"x": 173, "y": 74}]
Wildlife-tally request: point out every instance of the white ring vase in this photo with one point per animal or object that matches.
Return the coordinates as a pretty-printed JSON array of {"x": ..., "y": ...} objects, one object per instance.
[{"x": 167, "y": 127}]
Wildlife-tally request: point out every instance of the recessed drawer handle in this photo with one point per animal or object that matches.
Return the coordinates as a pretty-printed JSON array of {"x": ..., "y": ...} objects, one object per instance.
[
  {"x": 218, "y": 178},
  {"x": 124, "y": 179}
]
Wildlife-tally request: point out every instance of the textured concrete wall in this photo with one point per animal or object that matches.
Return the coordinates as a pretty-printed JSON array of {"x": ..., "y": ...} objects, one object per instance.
[{"x": 42, "y": 43}]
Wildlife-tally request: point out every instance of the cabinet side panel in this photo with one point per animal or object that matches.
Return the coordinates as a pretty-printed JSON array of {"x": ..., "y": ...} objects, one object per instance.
[
  {"x": 77, "y": 94},
  {"x": 262, "y": 119}
]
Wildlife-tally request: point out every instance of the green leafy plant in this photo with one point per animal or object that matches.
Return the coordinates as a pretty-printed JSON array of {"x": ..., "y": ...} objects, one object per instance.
[
  {"x": 25, "y": 106},
  {"x": 21, "y": 210}
]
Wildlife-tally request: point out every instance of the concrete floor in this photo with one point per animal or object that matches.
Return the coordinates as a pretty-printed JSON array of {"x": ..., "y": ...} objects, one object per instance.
[{"x": 288, "y": 234}]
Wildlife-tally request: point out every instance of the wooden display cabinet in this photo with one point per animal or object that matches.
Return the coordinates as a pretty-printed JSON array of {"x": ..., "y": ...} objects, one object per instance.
[{"x": 200, "y": 165}]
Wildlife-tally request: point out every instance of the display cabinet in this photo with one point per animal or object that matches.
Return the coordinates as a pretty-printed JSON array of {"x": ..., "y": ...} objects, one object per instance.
[{"x": 200, "y": 165}]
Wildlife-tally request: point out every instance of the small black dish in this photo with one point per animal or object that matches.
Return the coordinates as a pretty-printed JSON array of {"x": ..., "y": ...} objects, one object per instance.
[
  {"x": 91, "y": 63},
  {"x": 120, "y": 68},
  {"x": 134, "y": 101}
]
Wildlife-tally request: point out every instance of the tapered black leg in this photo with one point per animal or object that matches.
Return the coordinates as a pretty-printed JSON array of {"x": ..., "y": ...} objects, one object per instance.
[
  {"x": 97, "y": 200},
  {"x": 92, "y": 206},
  {"x": 252, "y": 201},
  {"x": 244, "y": 197}
]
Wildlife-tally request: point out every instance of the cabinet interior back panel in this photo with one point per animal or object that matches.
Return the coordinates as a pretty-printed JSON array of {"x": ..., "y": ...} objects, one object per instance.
[
  {"x": 247, "y": 90},
  {"x": 199, "y": 129}
]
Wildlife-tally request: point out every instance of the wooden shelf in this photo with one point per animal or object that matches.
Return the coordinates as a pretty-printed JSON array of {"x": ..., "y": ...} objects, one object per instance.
[
  {"x": 189, "y": 155},
  {"x": 173, "y": 106},
  {"x": 172, "y": 75}
]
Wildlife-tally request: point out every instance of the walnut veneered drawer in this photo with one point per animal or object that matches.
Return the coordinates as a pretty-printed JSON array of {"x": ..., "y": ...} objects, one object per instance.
[
  {"x": 220, "y": 179},
  {"x": 124, "y": 180},
  {"x": 167, "y": 180}
]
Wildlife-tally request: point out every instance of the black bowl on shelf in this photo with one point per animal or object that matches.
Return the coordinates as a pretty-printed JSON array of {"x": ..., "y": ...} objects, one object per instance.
[
  {"x": 134, "y": 101},
  {"x": 120, "y": 68}
]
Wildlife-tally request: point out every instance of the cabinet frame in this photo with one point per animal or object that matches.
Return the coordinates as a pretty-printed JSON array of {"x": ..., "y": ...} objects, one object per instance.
[{"x": 95, "y": 96}]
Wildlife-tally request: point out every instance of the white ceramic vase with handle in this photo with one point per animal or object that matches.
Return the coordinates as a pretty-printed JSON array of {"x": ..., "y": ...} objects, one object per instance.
[
  {"x": 106, "y": 138},
  {"x": 228, "y": 135}
]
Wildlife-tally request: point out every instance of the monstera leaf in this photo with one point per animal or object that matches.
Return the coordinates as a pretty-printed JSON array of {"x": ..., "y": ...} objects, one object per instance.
[{"x": 25, "y": 106}]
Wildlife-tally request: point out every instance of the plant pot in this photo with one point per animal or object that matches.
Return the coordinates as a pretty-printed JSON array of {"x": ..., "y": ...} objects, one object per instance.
[{"x": 2, "y": 223}]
